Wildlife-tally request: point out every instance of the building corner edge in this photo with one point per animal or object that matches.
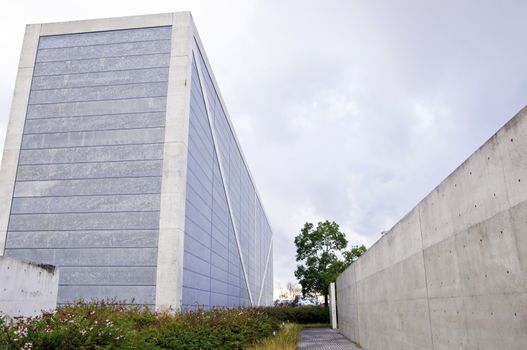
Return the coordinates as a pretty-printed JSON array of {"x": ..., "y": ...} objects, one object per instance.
[
  {"x": 169, "y": 274},
  {"x": 15, "y": 127}
]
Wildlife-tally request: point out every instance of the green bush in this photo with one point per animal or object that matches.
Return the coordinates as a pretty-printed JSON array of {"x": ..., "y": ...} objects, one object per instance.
[
  {"x": 110, "y": 325},
  {"x": 300, "y": 315}
]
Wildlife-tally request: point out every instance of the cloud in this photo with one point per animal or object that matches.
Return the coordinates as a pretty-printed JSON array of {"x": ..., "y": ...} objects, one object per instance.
[{"x": 348, "y": 111}]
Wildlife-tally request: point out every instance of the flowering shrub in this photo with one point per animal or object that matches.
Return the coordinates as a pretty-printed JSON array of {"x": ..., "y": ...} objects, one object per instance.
[{"x": 116, "y": 326}]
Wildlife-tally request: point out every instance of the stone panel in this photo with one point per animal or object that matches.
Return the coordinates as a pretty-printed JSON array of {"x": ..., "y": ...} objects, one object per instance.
[
  {"x": 93, "y": 138},
  {"x": 86, "y": 204},
  {"x": 106, "y": 37},
  {"x": 94, "y": 123},
  {"x": 83, "y": 238},
  {"x": 68, "y": 109},
  {"x": 89, "y": 257},
  {"x": 85, "y": 187},
  {"x": 101, "y": 64},
  {"x": 84, "y": 221},
  {"x": 108, "y": 169},
  {"x": 104, "y": 50},
  {"x": 141, "y": 75},
  {"x": 98, "y": 93},
  {"x": 143, "y": 295},
  {"x": 108, "y": 275},
  {"x": 91, "y": 154}
]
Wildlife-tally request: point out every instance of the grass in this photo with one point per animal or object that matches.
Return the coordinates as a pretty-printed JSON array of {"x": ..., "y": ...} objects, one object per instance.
[
  {"x": 317, "y": 325},
  {"x": 286, "y": 339}
]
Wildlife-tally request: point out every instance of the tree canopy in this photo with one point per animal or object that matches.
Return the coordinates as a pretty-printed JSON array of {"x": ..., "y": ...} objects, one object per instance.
[{"x": 322, "y": 256}]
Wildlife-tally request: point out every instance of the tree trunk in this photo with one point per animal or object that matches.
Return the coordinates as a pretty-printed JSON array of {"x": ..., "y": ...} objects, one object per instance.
[{"x": 326, "y": 299}]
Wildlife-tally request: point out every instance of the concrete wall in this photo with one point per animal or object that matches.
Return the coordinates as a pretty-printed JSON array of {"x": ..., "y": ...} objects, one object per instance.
[
  {"x": 452, "y": 274},
  {"x": 27, "y": 288}
]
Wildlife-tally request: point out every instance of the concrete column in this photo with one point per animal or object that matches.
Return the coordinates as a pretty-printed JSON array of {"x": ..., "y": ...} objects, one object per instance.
[
  {"x": 169, "y": 280},
  {"x": 332, "y": 306},
  {"x": 15, "y": 127}
]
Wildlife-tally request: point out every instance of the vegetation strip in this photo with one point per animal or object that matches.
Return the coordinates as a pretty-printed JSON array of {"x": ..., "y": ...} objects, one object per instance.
[{"x": 109, "y": 325}]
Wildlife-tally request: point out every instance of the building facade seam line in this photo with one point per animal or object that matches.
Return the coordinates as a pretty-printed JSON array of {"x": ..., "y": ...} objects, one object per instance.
[{"x": 265, "y": 270}]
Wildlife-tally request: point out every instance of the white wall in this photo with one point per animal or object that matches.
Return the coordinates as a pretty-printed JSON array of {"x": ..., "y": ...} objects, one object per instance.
[{"x": 26, "y": 288}]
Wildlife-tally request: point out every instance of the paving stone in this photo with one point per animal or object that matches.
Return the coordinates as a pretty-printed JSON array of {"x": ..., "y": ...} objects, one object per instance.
[{"x": 324, "y": 339}]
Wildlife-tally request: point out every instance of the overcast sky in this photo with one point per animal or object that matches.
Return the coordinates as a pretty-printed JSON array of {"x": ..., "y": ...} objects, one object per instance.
[{"x": 351, "y": 111}]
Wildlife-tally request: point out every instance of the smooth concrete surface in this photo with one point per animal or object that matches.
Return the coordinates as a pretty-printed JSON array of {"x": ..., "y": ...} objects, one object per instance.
[
  {"x": 332, "y": 306},
  {"x": 452, "y": 274},
  {"x": 15, "y": 128},
  {"x": 172, "y": 214},
  {"x": 27, "y": 289}
]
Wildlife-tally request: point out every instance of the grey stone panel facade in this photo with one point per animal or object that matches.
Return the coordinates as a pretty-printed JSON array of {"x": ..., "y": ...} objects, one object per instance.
[
  {"x": 211, "y": 272},
  {"x": 122, "y": 168},
  {"x": 250, "y": 220},
  {"x": 87, "y": 192}
]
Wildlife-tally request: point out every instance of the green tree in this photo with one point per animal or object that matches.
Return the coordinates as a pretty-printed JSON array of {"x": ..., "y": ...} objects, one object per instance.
[
  {"x": 318, "y": 250},
  {"x": 353, "y": 254}
]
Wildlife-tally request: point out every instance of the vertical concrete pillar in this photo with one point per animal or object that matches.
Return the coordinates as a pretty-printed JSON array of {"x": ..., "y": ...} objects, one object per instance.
[{"x": 332, "y": 306}]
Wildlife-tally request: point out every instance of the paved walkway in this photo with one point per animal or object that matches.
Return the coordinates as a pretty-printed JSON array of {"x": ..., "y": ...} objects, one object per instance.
[{"x": 324, "y": 339}]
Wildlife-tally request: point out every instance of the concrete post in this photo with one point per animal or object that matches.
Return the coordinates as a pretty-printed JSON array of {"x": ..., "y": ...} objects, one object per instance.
[{"x": 332, "y": 306}]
